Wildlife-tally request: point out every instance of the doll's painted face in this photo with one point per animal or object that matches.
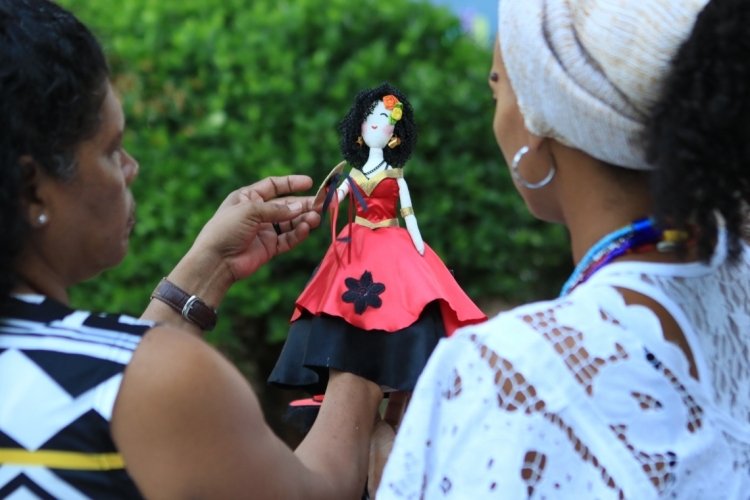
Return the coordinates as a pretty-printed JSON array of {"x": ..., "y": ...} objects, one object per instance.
[{"x": 376, "y": 131}]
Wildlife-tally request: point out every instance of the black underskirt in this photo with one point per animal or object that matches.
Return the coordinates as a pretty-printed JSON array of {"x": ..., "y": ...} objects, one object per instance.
[{"x": 394, "y": 361}]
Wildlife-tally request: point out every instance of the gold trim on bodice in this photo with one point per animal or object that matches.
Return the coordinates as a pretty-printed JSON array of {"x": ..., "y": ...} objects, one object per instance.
[
  {"x": 376, "y": 225},
  {"x": 369, "y": 185}
]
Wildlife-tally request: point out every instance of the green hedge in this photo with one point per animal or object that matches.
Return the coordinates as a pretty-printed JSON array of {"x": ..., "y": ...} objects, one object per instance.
[{"x": 219, "y": 93}]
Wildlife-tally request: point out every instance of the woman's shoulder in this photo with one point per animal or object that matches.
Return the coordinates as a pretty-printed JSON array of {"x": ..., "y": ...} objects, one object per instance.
[
  {"x": 581, "y": 385},
  {"x": 594, "y": 319},
  {"x": 587, "y": 350},
  {"x": 35, "y": 317}
]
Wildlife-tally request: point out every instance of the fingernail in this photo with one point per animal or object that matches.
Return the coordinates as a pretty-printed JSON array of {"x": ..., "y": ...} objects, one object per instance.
[{"x": 295, "y": 206}]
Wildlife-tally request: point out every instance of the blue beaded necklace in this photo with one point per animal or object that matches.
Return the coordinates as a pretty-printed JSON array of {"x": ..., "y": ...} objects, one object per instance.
[{"x": 624, "y": 240}]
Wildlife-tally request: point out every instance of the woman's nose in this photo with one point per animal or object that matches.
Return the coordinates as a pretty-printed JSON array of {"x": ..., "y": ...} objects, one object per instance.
[{"x": 130, "y": 168}]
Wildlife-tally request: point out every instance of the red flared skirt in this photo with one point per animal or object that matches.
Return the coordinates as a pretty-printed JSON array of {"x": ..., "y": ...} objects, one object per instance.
[{"x": 382, "y": 283}]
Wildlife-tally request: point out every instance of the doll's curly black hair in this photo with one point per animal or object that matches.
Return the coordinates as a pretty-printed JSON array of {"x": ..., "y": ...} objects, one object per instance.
[
  {"x": 53, "y": 77},
  {"x": 698, "y": 135},
  {"x": 350, "y": 127}
]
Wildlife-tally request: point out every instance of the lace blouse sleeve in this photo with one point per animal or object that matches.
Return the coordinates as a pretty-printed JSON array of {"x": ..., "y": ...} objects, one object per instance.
[{"x": 518, "y": 408}]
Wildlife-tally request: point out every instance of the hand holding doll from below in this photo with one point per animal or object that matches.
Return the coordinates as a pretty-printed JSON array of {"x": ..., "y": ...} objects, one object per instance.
[{"x": 383, "y": 437}]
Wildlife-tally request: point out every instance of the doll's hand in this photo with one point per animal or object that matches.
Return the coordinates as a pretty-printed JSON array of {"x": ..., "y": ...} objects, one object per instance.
[
  {"x": 335, "y": 199},
  {"x": 416, "y": 236}
]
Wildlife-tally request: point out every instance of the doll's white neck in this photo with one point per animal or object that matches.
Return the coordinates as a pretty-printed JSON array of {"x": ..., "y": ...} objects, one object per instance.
[{"x": 374, "y": 163}]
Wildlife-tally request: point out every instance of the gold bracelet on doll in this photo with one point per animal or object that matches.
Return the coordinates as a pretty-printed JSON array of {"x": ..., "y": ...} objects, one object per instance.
[{"x": 407, "y": 211}]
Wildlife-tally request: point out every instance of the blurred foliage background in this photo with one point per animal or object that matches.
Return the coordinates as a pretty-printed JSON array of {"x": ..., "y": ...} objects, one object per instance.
[{"x": 219, "y": 93}]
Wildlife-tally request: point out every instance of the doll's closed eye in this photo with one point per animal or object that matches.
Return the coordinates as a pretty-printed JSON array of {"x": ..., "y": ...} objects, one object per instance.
[{"x": 384, "y": 114}]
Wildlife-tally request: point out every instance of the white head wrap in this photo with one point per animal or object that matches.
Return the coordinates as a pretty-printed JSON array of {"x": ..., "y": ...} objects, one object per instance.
[{"x": 586, "y": 72}]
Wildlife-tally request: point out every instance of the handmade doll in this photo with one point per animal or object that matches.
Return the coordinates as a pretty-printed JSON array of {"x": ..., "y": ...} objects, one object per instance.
[{"x": 381, "y": 299}]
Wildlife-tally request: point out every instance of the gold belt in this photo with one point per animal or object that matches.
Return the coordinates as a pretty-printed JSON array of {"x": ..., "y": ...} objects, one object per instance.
[
  {"x": 377, "y": 225},
  {"x": 62, "y": 459}
]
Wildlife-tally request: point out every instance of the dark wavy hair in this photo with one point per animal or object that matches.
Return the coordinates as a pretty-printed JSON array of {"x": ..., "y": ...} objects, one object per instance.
[
  {"x": 698, "y": 135},
  {"x": 351, "y": 126},
  {"x": 53, "y": 78}
]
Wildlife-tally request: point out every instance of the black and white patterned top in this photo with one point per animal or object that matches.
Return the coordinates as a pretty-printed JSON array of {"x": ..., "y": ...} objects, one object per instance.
[{"x": 60, "y": 372}]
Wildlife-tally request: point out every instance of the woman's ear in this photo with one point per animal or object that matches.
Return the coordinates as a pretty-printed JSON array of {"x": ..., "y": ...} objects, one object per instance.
[
  {"x": 34, "y": 190},
  {"x": 535, "y": 142}
]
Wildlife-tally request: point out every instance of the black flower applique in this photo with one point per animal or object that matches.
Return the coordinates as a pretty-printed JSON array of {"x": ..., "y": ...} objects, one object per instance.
[{"x": 363, "y": 292}]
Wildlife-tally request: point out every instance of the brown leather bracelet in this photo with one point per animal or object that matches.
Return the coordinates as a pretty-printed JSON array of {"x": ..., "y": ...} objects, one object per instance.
[{"x": 190, "y": 307}]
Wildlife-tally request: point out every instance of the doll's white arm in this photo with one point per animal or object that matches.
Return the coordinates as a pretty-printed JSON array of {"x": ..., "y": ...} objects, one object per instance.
[
  {"x": 410, "y": 218},
  {"x": 342, "y": 191}
]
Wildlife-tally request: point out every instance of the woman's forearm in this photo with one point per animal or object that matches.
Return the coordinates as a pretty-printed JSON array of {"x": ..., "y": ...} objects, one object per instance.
[
  {"x": 337, "y": 448},
  {"x": 199, "y": 274}
]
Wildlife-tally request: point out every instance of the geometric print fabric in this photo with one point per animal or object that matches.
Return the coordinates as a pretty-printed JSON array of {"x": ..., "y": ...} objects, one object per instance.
[
  {"x": 35, "y": 407},
  {"x": 60, "y": 372},
  {"x": 23, "y": 488},
  {"x": 74, "y": 372}
]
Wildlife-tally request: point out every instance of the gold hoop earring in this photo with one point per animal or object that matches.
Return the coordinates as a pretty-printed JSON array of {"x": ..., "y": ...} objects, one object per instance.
[
  {"x": 360, "y": 142},
  {"x": 395, "y": 141}
]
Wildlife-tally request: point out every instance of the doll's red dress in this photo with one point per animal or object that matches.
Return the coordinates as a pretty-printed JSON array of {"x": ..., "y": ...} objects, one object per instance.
[
  {"x": 374, "y": 306},
  {"x": 379, "y": 247}
]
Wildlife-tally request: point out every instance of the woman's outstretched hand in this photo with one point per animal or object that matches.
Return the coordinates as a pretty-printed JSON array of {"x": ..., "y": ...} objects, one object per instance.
[
  {"x": 241, "y": 235},
  {"x": 239, "y": 239}
]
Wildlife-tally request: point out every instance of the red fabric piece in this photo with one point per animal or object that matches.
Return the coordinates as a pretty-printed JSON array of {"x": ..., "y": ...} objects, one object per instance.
[
  {"x": 411, "y": 281},
  {"x": 316, "y": 400}
]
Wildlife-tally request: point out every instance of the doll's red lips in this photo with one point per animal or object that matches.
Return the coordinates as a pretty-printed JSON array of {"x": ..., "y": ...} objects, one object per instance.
[{"x": 374, "y": 126}]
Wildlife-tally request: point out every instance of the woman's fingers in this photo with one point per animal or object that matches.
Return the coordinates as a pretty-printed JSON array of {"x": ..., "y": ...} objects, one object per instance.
[
  {"x": 397, "y": 402},
  {"x": 267, "y": 212},
  {"x": 273, "y": 187},
  {"x": 307, "y": 202},
  {"x": 299, "y": 230},
  {"x": 311, "y": 218},
  {"x": 381, "y": 444},
  {"x": 267, "y": 189}
]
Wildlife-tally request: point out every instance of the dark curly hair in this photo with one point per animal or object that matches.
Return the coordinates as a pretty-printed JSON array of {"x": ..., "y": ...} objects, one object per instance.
[
  {"x": 351, "y": 125},
  {"x": 698, "y": 134},
  {"x": 53, "y": 78}
]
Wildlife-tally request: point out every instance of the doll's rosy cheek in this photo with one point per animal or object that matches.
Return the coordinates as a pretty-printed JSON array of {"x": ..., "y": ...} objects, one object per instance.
[
  {"x": 388, "y": 130},
  {"x": 364, "y": 126}
]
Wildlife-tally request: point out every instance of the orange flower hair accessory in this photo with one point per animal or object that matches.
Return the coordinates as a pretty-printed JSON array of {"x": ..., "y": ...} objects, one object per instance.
[
  {"x": 390, "y": 102},
  {"x": 395, "y": 107}
]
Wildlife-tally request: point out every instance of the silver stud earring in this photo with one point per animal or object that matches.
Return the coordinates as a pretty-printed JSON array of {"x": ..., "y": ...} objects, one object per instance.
[
  {"x": 42, "y": 219},
  {"x": 521, "y": 180}
]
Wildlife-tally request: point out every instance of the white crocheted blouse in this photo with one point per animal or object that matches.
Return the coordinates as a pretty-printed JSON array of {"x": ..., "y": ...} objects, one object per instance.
[{"x": 582, "y": 397}]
